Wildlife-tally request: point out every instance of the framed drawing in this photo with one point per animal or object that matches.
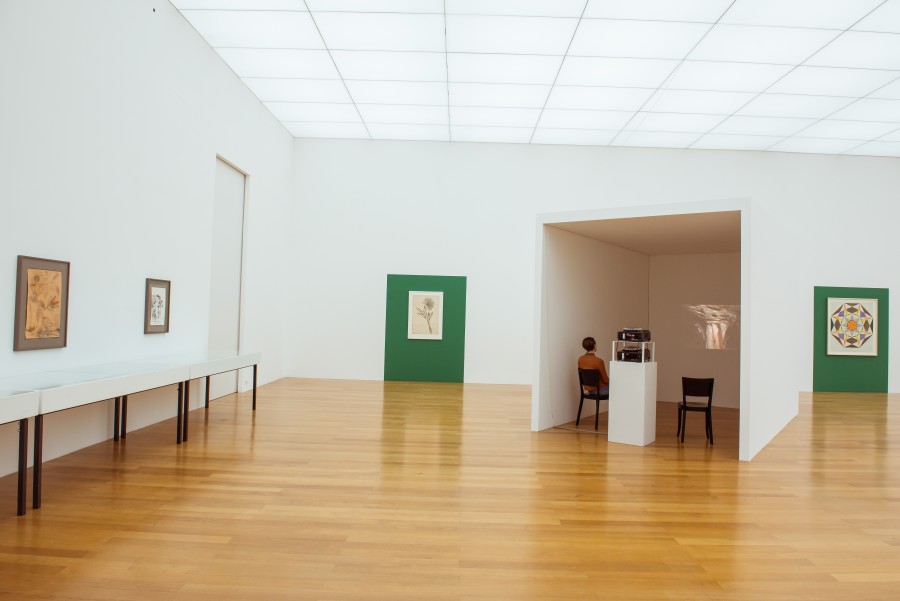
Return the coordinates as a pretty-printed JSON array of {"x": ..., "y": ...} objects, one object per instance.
[
  {"x": 853, "y": 326},
  {"x": 426, "y": 316},
  {"x": 42, "y": 304},
  {"x": 157, "y": 299}
]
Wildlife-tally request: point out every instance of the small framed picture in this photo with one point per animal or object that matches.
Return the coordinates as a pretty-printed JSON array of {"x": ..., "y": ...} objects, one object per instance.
[
  {"x": 853, "y": 327},
  {"x": 426, "y": 316},
  {"x": 42, "y": 304},
  {"x": 157, "y": 299}
]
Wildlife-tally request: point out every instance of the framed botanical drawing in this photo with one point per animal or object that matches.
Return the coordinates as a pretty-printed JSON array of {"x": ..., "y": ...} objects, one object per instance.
[
  {"x": 853, "y": 326},
  {"x": 426, "y": 316},
  {"x": 157, "y": 299},
  {"x": 42, "y": 304}
]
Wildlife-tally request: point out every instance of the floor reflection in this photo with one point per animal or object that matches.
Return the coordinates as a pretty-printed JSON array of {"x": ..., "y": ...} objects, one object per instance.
[
  {"x": 421, "y": 431},
  {"x": 849, "y": 429}
]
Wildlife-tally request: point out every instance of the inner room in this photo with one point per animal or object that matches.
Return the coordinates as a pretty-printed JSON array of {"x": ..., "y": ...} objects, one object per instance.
[{"x": 677, "y": 275}]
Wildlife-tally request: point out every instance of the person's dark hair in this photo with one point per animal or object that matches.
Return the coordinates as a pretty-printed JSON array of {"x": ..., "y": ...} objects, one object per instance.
[{"x": 589, "y": 344}]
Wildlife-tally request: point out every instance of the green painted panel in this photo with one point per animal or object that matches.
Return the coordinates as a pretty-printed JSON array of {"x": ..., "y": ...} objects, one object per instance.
[
  {"x": 837, "y": 373},
  {"x": 425, "y": 360}
]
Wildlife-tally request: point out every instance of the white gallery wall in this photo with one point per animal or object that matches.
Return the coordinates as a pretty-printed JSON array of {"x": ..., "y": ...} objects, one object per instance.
[
  {"x": 362, "y": 209},
  {"x": 692, "y": 298},
  {"x": 111, "y": 117},
  {"x": 591, "y": 288}
]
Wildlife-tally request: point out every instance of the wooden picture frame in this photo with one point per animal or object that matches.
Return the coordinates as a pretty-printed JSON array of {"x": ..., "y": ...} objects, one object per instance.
[
  {"x": 42, "y": 304},
  {"x": 157, "y": 300}
]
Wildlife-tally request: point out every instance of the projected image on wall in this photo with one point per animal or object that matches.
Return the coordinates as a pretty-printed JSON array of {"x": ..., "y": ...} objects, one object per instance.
[{"x": 714, "y": 324}]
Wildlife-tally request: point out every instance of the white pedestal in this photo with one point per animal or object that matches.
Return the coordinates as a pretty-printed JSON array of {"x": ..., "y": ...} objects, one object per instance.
[{"x": 632, "y": 402}]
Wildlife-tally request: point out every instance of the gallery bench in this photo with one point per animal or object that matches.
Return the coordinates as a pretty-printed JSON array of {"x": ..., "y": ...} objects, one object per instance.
[{"x": 55, "y": 391}]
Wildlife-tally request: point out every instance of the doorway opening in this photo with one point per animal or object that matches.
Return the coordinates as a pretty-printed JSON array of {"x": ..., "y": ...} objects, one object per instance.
[
  {"x": 680, "y": 271},
  {"x": 226, "y": 272}
]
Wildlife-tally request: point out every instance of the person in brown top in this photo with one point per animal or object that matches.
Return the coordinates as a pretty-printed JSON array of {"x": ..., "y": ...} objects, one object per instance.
[{"x": 591, "y": 361}]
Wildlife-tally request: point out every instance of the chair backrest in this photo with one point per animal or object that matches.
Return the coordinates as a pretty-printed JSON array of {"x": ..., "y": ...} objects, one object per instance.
[
  {"x": 697, "y": 387},
  {"x": 589, "y": 377}
]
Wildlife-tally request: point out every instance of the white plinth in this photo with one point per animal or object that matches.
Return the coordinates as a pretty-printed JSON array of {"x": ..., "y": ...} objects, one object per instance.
[{"x": 632, "y": 402}]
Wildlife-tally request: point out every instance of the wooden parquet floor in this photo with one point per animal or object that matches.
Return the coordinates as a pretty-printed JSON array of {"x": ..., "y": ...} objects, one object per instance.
[{"x": 347, "y": 490}]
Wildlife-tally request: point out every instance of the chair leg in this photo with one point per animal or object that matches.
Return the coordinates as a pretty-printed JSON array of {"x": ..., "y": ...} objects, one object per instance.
[
  {"x": 597, "y": 416},
  {"x": 709, "y": 426},
  {"x": 683, "y": 423},
  {"x": 580, "y": 405},
  {"x": 678, "y": 433}
]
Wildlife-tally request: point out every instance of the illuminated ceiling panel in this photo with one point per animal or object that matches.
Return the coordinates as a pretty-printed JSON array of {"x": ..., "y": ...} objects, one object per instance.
[{"x": 817, "y": 76}]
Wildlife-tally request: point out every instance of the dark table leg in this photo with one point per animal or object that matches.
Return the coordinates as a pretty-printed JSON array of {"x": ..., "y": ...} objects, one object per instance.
[
  {"x": 254, "y": 386},
  {"x": 38, "y": 461},
  {"x": 207, "y": 392},
  {"x": 23, "y": 465},
  {"x": 187, "y": 407},
  {"x": 124, "y": 416},
  {"x": 180, "y": 409},
  {"x": 116, "y": 405}
]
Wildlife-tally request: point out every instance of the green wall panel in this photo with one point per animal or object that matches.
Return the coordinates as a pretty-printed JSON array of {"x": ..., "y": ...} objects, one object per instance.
[
  {"x": 425, "y": 360},
  {"x": 837, "y": 373}
]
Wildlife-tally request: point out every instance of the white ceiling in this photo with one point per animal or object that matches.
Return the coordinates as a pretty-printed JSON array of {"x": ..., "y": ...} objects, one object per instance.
[
  {"x": 813, "y": 76},
  {"x": 687, "y": 234}
]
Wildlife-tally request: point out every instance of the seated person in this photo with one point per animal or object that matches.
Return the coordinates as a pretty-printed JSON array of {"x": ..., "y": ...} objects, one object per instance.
[{"x": 591, "y": 361}]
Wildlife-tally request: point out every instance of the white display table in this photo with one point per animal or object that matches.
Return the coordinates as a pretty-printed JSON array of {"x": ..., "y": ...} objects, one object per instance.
[
  {"x": 213, "y": 363},
  {"x": 632, "y": 402},
  {"x": 53, "y": 391},
  {"x": 17, "y": 405},
  {"x": 95, "y": 383}
]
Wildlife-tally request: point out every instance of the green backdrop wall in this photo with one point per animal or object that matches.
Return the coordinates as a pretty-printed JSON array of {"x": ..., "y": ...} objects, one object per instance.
[
  {"x": 425, "y": 360},
  {"x": 840, "y": 373}
]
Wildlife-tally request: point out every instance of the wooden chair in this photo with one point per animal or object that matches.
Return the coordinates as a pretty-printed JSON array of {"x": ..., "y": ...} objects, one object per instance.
[
  {"x": 591, "y": 377},
  {"x": 698, "y": 388}
]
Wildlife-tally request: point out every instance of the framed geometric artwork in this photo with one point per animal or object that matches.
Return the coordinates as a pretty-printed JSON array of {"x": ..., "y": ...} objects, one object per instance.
[
  {"x": 42, "y": 304},
  {"x": 157, "y": 299},
  {"x": 852, "y": 326},
  {"x": 426, "y": 316}
]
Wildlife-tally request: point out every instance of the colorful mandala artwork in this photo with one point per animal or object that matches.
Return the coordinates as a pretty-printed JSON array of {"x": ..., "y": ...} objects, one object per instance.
[{"x": 852, "y": 325}]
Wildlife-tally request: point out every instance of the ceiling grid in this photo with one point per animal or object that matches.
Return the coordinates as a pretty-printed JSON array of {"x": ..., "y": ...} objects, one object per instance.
[
  {"x": 556, "y": 77},
  {"x": 447, "y": 73},
  {"x": 654, "y": 98},
  {"x": 344, "y": 83},
  {"x": 814, "y": 76}
]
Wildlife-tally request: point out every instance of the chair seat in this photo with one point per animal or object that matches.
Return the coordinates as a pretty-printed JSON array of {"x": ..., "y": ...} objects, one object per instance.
[
  {"x": 695, "y": 387},
  {"x": 586, "y": 378}
]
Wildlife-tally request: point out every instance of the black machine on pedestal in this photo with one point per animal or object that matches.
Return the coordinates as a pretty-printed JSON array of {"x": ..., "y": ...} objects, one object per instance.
[{"x": 629, "y": 345}]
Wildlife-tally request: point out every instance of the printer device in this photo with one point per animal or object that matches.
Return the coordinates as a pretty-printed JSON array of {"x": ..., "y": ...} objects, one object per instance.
[
  {"x": 634, "y": 335},
  {"x": 629, "y": 347}
]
